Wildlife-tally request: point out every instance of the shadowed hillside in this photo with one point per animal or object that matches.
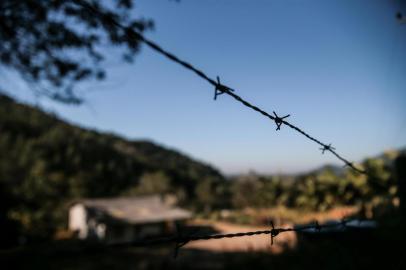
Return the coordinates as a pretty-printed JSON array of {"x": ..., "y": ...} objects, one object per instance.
[{"x": 46, "y": 162}]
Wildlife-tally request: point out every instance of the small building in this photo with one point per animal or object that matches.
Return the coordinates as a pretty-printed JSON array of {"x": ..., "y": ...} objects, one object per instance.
[{"x": 124, "y": 219}]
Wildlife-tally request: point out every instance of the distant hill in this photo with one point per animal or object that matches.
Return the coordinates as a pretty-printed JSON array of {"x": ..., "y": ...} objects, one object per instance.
[
  {"x": 336, "y": 169},
  {"x": 387, "y": 158},
  {"x": 45, "y": 162}
]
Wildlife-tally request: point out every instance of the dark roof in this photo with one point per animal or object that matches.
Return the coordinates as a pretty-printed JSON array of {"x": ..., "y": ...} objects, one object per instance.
[{"x": 136, "y": 210}]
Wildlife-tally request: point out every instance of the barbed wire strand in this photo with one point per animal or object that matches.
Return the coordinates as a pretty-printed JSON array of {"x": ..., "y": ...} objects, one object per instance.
[
  {"x": 219, "y": 88},
  {"x": 181, "y": 239}
]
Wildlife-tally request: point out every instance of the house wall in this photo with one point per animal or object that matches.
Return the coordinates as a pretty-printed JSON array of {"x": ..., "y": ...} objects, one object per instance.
[
  {"x": 78, "y": 220},
  {"x": 87, "y": 223},
  {"x": 119, "y": 233},
  {"x": 122, "y": 233},
  {"x": 148, "y": 230}
]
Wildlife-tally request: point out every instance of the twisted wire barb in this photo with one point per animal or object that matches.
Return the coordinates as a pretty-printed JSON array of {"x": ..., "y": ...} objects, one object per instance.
[{"x": 219, "y": 88}]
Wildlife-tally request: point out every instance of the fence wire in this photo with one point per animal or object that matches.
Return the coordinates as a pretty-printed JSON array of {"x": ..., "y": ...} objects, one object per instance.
[
  {"x": 219, "y": 88},
  {"x": 182, "y": 239}
]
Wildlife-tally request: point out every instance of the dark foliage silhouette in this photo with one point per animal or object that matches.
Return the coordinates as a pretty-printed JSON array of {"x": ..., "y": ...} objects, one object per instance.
[{"x": 54, "y": 44}]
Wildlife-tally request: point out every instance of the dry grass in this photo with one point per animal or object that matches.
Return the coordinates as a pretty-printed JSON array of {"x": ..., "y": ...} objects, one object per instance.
[
  {"x": 242, "y": 244},
  {"x": 281, "y": 216}
]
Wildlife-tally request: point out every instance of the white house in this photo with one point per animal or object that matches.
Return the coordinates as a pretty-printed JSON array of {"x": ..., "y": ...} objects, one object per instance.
[{"x": 123, "y": 219}]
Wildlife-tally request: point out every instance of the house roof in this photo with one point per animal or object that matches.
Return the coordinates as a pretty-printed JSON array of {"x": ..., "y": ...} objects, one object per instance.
[{"x": 136, "y": 210}]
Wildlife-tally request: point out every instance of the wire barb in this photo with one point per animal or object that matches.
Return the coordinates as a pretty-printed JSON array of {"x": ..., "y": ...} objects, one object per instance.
[
  {"x": 180, "y": 241},
  {"x": 326, "y": 148},
  {"x": 220, "y": 89},
  {"x": 348, "y": 164},
  {"x": 279, "y": 120},
  {"x": 178, "y": 245},
  {"x": 344, "y": 222},
  {"x": 274, "y": 232},
  {"x": 317, "y": 226}
]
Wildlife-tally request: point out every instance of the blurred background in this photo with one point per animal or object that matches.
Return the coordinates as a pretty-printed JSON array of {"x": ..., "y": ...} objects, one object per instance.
[{"x": 104, "y": 141}]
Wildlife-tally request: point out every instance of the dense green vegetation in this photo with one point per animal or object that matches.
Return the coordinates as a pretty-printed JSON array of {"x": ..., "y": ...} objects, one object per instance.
[
  {"x": 45, "y": 163},
  {"x": 323, "y": 189}
]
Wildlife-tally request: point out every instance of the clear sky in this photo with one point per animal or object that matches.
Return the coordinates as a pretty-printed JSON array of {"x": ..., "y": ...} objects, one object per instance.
[{"x": 338, "y": 67}]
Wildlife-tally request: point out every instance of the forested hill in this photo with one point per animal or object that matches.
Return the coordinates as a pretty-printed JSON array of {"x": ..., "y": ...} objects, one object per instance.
[{"x": 45, "y": 162}]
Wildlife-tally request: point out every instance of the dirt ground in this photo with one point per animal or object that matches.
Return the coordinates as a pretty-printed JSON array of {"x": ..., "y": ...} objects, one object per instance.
[
  {"x": 248, "y": 243},
  {"x": 259, "y": 242}
]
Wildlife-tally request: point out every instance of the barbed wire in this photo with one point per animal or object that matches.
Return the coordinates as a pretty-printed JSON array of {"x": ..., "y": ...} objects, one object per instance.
[
  {"x": 219, "y": 88},
  {"x": 181, "y": 239}
]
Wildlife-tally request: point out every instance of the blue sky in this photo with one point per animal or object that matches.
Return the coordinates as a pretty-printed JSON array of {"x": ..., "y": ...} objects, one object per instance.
[{"x": 338, "y": 67}]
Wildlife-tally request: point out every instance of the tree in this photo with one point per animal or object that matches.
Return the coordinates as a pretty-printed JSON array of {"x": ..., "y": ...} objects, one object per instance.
[
  {"x": 245, "y": 190},
  {"x": 53, "y": 44},
  {"x": 153, "y": 183},
  {"x": 205, "y": 193}
]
